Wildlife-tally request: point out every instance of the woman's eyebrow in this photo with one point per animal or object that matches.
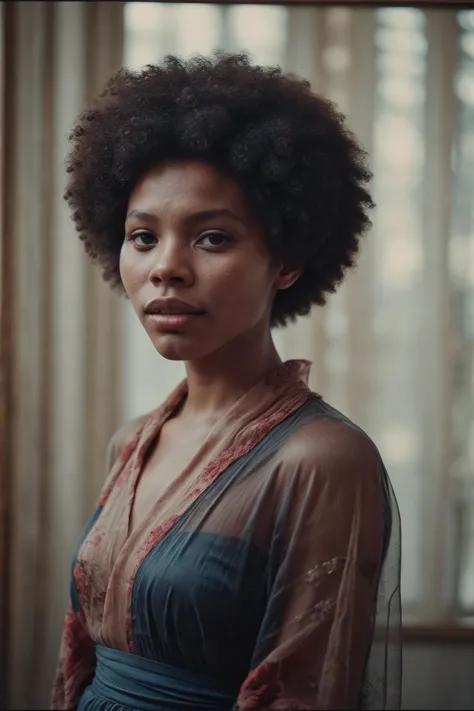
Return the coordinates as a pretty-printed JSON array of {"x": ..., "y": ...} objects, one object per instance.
[
  {"x": 199, "y": 216},
  {"x": 203, "y": 215},
  {"x": 141, "y": 215}
]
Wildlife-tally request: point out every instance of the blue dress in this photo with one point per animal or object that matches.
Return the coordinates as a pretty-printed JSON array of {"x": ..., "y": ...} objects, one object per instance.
[{"x": 183, "y": 618}]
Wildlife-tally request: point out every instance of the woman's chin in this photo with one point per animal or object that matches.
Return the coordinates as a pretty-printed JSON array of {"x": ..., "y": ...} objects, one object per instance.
[{"x": 173, "y": 346}]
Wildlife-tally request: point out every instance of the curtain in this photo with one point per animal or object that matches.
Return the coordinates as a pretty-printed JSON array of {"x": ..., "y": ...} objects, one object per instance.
[{"x": 59, "y": 330}]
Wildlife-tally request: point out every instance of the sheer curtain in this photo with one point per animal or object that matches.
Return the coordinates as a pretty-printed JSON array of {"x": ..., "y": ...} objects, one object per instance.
[
  {"x": 393, "y": 349},
  {"x": 58, "y": 331}
]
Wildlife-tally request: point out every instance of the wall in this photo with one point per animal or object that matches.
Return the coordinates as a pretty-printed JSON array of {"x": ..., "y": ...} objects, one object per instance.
[{"x": 438, "y": 675}]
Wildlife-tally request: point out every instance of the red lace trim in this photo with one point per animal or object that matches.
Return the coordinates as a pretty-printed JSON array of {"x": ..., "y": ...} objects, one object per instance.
[{"x": 124, "y": 470}]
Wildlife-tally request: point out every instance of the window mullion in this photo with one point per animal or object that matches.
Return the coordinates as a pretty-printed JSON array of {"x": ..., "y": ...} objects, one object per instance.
[{"x": 434, "y": 362}]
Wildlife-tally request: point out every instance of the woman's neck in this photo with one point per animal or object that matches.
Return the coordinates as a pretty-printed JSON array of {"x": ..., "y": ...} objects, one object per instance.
[{"x": 216, "y": 382}]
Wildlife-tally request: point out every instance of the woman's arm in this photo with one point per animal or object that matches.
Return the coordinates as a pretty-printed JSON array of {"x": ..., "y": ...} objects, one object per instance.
[
  {"x": 76, "y": 663},
  {"x": 317, "y": 631}
]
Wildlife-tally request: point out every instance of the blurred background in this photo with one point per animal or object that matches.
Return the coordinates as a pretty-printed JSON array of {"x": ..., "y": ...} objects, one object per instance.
[{"x": 393, "y": 349}]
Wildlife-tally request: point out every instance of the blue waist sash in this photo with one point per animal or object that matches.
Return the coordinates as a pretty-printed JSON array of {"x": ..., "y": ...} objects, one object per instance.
[{"x": 145, "y": 685}]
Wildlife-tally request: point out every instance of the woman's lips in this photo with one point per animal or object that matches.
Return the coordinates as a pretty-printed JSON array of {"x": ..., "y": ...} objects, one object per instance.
[{"x": 173, "y": 320}]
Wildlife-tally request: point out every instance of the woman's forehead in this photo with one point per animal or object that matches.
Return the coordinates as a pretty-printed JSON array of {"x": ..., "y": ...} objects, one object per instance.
[{"x": 187, "y": 186}]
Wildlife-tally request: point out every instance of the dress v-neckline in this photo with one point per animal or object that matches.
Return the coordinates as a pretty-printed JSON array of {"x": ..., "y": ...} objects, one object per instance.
[
  {"x": 151, "y": 442},
  {"x": 253, "y": 402}
]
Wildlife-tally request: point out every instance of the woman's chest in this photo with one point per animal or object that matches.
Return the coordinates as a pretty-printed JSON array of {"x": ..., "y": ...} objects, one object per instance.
[
  {"x": 172, "y": 455},
  {"x": 197, "y": 594}
]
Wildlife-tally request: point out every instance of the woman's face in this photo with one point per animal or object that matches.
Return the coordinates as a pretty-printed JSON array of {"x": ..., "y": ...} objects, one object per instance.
[{"x": 190, "y": 235}]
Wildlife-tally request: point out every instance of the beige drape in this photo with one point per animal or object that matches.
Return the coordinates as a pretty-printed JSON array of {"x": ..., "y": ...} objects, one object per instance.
[{"x": 59, "y": 329}]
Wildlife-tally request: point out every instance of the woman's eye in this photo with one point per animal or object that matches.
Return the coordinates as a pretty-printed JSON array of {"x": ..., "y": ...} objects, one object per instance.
[
  {"x": 143, "y": 239},
  {"x": 217, "y": 239}
]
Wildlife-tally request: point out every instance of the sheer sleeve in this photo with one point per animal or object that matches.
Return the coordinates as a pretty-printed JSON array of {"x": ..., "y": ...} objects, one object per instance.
[
  {"x": 329, "y": 540},
  {"x": 76, "y": 663}
]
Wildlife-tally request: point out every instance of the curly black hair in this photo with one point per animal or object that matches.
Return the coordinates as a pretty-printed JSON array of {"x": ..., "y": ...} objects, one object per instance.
[{"x": 302, "y": 171}]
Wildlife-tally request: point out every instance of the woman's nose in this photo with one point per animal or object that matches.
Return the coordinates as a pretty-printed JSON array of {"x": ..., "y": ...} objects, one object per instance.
[{"x": 170, "y": 264}]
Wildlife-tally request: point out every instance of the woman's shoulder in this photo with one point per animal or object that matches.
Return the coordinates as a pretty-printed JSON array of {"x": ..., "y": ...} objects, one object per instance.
[
  {"x": 329, "y": 476},
  {"x": 330, "y": 445}
]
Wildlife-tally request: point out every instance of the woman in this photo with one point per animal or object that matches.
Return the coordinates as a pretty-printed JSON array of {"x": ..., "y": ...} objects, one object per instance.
[{"x": 244, "y": 553}]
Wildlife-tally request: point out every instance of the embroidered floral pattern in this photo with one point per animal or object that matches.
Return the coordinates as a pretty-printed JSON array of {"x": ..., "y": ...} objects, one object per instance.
[
  {"x": 262, "y": 690},
  {"x": 157, "y": 534},
  {"x": 77, "y": 662},
  {"x": 91, "y": 598},
  {"x": 288, "y": 372},
  {"x": 318, "y": 612},
  {"x": 96, "y": 535},
  {"x": 126, "y": 462},
  {"x": 122, "y": 467},
  {"x": 211, "y": 472},
  {"x": 130, "y": 458},
  {"x": 320, "y": 571}
]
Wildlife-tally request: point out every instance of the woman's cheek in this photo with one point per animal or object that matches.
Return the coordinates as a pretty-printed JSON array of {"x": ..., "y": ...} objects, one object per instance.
[{"x": 132, "y": 269}]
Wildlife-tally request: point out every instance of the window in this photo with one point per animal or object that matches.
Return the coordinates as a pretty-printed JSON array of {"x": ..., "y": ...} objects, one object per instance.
[
  {"x": 397, "y": 281},
  {"x": 394, "y": 348}
]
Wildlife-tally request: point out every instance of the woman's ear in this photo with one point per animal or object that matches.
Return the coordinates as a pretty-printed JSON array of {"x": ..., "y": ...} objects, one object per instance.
[{"x": 287, "y": 277}]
